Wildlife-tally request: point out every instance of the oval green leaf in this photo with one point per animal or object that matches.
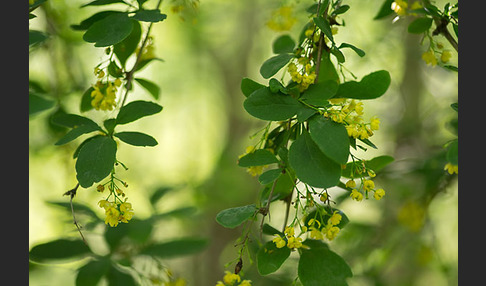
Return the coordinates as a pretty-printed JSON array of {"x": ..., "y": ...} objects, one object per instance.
[
  {"x": 265, "y": 105},
  {"x": 283, "y": 45},
  {"x": 149, "y": 16},
  {"x": 136, "y": 110},
  {"x": 248, "y": 86},
  {"x": 59, "y": 249},
  {"x": 151, "y": 87},
  {"x": 331, "y": 137},
  {"x": 95, "y": 160},
  {"x": 311, "y": 165},
  {"x": 318, "y": 94},
  {"x": 320, "y": 266},
  {"x": 258, "y": 157},
  {"x": 127, "y": 47},
  {"x": 269, "y": 176},
  {"x": 109, "y": 31},
  {"x": 371, "y": 86},
  {"x": 136, "y": 138},
  {"x": 91, "y": 273},
  {"x": 270, "y": 258},
  {"x": 420, "y": 25},
  {"x": 233, "y": 217},
  {"x": 271, "y": 66}
]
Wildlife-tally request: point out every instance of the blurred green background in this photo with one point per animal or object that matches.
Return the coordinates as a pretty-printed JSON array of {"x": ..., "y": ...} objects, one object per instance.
[{"x": 203, "y": 128}]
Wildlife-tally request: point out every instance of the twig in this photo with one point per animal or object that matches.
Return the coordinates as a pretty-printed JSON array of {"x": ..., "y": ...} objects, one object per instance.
[{"x": 72, "y": 193}]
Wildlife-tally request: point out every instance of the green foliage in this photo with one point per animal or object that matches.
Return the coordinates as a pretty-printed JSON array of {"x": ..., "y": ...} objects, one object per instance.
[
  {"x": 371, "y": 86},
  {"x": 270, "y": 258},
  {"x": 59, "y": 249},
  {"x": 271, "y": 66},
  {"x": 257, "y": 158},
  {"x": 233, "y": 217},
  {"x": 321, "y": 266},
  {"x": 136, "y": 110},
  {"x": 109, "y": 31}
]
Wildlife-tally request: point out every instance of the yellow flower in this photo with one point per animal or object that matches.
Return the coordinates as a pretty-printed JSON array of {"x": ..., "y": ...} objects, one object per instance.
[
  {"x": 451, "y": 169},
  {"x": 282, "y": 19},
  {"x": 315, "y": 233},
  {"x": 400, "y": 7},
  {"x": 375, "y": 123},
  {"x": 312, "y": 221},
  {"x": 350, "y": 184},
  {"x": 379, "y": 194},
  {"x": 289, "y": 231},
  {"x": 219, "y": 283},
  {"x": 127, "y": 212},
  {"x": 323, "y": 197},
  {"x": 446, "y": 56},
  {"x": 230, "y": 278},
  {"x": 112, "y": 215},
  {"x": 294, "y": 242},
  {"x": 245, "y": 283},
  {"x": 104, "y": 204},
  {"x": 429, "y": 58},
  {"x": 335, "y": 219},
  {"x": 331, "y": 232},
  {"x": 355, "y": 195},
  {"x": 368, "y": 185},
  {"x": 255, "y": 170},
  {"x": 279, "y": 241}
]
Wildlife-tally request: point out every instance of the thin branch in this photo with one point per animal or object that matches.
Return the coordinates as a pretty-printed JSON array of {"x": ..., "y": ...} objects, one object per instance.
[{"x": 72, "y": 193}]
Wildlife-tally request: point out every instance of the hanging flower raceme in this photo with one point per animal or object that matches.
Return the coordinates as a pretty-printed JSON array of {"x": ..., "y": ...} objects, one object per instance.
[
  {"x": 103, "y": 96},
  {"x": 116, "y": 212}
]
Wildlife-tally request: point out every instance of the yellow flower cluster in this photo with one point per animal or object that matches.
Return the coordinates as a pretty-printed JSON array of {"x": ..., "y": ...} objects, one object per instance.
[
  {"x": 302, "y": 73},
  {"x": 366, "y": 186},
  {"x": 290, "y": 240},
  {"x": 329, "y": 231},
  {"x": 350, "y": 113},
  {"x": 282, "y": 19},
  {"x": 116, "y": 212},
  {"x": 451, "y": 169},
  {"x": 104, "y": 94},
  {"x": 231, "y": 279},
  {"x": 401, "y": 7}
]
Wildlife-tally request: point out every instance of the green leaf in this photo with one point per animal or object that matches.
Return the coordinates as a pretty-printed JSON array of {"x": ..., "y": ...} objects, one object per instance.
[
  {"x": 110, "y": 124},
  {"x": 140, "y": 230},
  {"x": 118, "y": 277},
  {"x": 110, "y": 30},
  {"x": 324, "y": 26},
  {"x": 59, "y": 249},
  {"x": 151, "y": 87},
  {"x": 331, "y": 137},
  {"x": 320, "y": 266},
  {"x": 128, "y": 46},
  {"x": 318, "y": 94},
  {"x": 371, "y": 86},
  {"x": 385, "y": 10},
  {"x": 176, "y": 248},
  {"x": 311, "y": 165},
  {"x": 36, "y": 37},
  {"x": 149, "y": 16},
  {"x": 283, "y": 187},
  {"x": 275, "y": 86},
  {"x": 136, "y": 110},
  {"x": 145, "y": 62},
  {"x": 327, "y": 71},
  {"x": 360, "y": 52},
  {"x": 233, "y": 217},
  {"x": 341, "y": 10},
  {"x": 102, "y": 2},
  {"x": 91, "y": 273},
  {"x": 248, "y": 86},
  {"x": 452, "y": 154},
  {"x": 270, "y": 258},
  {"x": 420, "y": 25},
  {"x": 136, "y": 138},
  {"x": 269, "y": 176},
  {"x": 455, "y": 106},
  {"x": 95, "y": 160},
  {"x": 39, "y": 103},
  {"x": 271, "y": 66},
  {"x": 305, "y": 113},
  {"x": 258, "y": 157},
  {"x": 264, "y": 104},
  {"x": 283, "y": 45},
  {"x": 86, "y": 23},
  {"x": 85, "y": 104},
  {"x": 270, "y": 230},
  {"x": 72, "y": 120},
  {"x": 76, "y": 152},
  {"x": 76, "y": 132},
  {"x": 338, "y": 54},
  {"x": 376, "y": 164}
]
